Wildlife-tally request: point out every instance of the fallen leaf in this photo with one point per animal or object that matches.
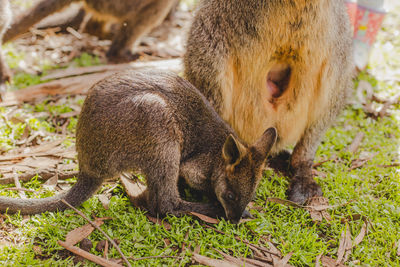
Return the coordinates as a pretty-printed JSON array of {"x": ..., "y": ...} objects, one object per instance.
[
  {"x": 317, "y": 260},
  {"x": 51, "y": 183},
  {"x": 274, "y": 250},
  {"x": 211, "y": 262},
  {"x": 329, "y": 262},
  {"x": 345, "y": 244},
  {"x": 353, "y": 147},
  {"x": 361, "y": 235},
  {"x": 275, "y": 253},
  {"x": 283, "y": 262},
  {"x": 160, "y": 222},
  {"x": 360, "y": 162},
  {"x": 256, "y": 263},
  {"x": 96, "y": 259},
  {"x": 233, "y": 260},
  {"x": 204, "y": 218},
  {"x": 284, "y": 202},
  {"x": 317, "y": 207},
  {"x": 105, "y": 201},
  {"x": 78, "y": 234}
]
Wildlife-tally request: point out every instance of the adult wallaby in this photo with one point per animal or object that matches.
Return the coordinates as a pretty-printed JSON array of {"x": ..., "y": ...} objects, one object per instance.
[
  {"x": 5, "y": 19},
  {"x": 284, "y": 64},
  {"x": 136, "y": 17},
  {"x": 159, "y": 124}
]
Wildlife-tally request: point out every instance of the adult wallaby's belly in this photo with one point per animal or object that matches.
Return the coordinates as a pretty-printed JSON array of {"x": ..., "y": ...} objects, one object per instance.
[{"x": 281, "y": 94}]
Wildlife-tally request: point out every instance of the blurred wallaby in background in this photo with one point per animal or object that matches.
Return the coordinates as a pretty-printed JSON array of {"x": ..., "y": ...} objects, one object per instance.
[
  {"x": 158, "y": 124},
  {"x": 284, "y": 64},
  {"x": 5, "y": 19},
  {"x": 134, "y": 17},
  {"x": 78, "y": 18}
]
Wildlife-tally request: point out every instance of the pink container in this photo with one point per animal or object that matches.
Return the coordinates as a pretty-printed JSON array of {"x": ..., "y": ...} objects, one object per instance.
[
  {"x": 367, "y": 24},
  {"x": 366, "y": 17}
]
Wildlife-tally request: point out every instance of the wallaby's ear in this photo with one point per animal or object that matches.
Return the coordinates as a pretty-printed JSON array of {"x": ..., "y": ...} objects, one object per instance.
[
  {"x": 233, "y": 151},
  {"x": 264, "y": 144}
]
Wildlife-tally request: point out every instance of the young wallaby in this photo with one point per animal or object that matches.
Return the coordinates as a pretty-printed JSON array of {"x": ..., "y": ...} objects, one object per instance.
[
  {"x": 284, "y": 64},
  {"x": 136, "y": 17},
  {"x": 159, "y": 124},
  {"x": 5, "y": 19}
]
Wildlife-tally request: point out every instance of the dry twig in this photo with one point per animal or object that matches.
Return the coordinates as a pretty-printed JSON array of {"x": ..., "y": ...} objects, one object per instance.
[
  {"x": 353, "y": 147},
  {"x": 18, "y": 184},
  {"x": 98, "y": 228}
]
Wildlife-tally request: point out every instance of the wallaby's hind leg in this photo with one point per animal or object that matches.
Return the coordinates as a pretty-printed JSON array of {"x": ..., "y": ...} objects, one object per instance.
[
  {"x": 162, "y": 185},
  {"x": 132, "y": 29},
  {"x": 303, "y": 186}
]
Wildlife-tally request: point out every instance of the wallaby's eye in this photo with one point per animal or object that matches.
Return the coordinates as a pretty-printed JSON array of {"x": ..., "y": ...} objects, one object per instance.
[{"x": 231, "y": 196}]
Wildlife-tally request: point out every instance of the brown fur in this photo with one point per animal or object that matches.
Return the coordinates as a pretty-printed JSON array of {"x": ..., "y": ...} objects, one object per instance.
[
  {"x": 5, "y": 18},
  {"x": 135, "y": 17},
  {"x": 302, "y": 48},
  {"x": 160, "y": 125}
]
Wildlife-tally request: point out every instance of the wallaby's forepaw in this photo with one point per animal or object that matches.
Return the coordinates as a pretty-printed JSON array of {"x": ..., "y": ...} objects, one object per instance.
[
  {"x": 303, "y": 188},
  {"x": 247, "y": 215},
  {"x": 210, "y": 210}
]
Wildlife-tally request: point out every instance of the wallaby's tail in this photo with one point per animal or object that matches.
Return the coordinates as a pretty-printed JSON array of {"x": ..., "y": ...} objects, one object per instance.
[
  {"x": 32, "y": 16},
  {"x": 81, "y": 191}
]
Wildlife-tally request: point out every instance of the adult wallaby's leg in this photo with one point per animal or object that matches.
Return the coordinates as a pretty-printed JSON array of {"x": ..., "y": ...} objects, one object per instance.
[
  {"x": 303, "y": 186},
  {"x": 32, "y": 16},
  {"x": 135, "y": 27},
  {"x": 84, "y": 188}
]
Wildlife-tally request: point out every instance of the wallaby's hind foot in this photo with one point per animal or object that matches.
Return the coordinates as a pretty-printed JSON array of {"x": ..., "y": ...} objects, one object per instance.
[{"x": 303, "y": 188}]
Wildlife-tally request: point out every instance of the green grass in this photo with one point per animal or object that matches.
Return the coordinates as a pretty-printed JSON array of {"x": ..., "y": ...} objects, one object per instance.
[{"x": 370, "y": 191}]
